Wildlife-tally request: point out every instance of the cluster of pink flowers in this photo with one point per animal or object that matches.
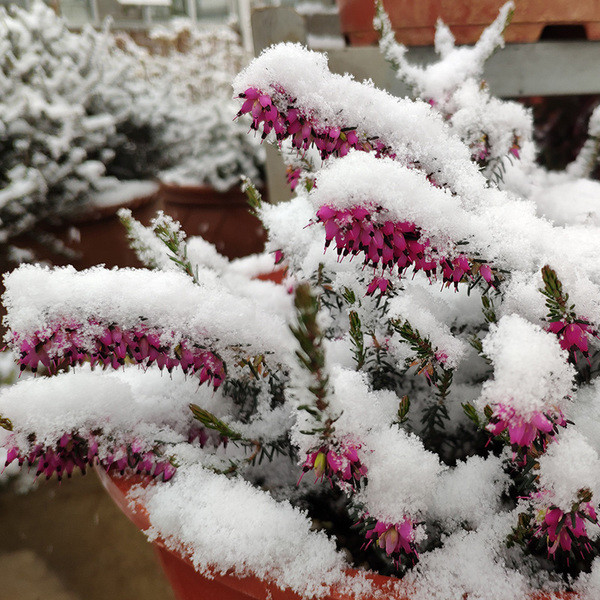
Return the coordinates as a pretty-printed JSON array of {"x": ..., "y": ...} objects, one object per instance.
[
  {"x": 396, "y": 539},
  {"x": 77, "y": 451},
  {"x": 562, "y": 529},
  {"x": 288, "y": 121},
  {"x": 66, "y": 345},
  {"x": 572, "y": 335},
  {"x": 524, "y": 430},
  {"x": 342, "y": 463},
  {"x": 390, "y": 245},
  {"x": 74, "y": 451}
]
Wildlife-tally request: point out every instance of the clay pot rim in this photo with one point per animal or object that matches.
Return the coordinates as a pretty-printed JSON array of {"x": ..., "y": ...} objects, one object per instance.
[
  {"x": 118, "y": 487},
  {"x": 99, "y": 213},
  {"x": 203, "y": 195}
]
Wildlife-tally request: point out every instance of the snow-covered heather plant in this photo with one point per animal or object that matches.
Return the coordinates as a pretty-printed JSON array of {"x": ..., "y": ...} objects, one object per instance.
[
  {"x": 494, "y": 130},
  {"x": 419, "y": 398},
  {"x": 73, "y": 115}
]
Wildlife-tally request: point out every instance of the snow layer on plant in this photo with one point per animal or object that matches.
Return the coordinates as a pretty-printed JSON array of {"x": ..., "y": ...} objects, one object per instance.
[
  {"x": 226, "y": 524},
  {"x": 413, "y": 129},
  {"x": 587, "y": 158},
  {"x": 587, "y": 586},
  {"x": 470, "y": 492},
  {"x": 360, "y": 409},
  {"x": 500, "y": 229},
  {"x": 36, "y": 296},
  {"x": 531, "y": 372},
  {"x": 585, "y": 414},
  {"x": 569, "y": 465},
  {"x": 120, "y": 402},
  {"x": 522, "y": 296},
  {"x": 418, "y": 306},
  {"x": 472, "y": 564},
  {"x": 392, "y": 454},
  {"x": 566, "y": 201}
]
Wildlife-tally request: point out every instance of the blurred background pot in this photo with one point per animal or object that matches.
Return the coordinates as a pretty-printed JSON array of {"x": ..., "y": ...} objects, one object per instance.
[{"x": 222, "y": 218}]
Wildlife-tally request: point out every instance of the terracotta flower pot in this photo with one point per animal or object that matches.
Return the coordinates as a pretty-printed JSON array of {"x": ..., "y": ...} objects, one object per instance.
[
  {"x": 414, "y": 22},
  {"x": 95, "y": 236},
  {"x": 222, "y": 218},
  {"x": 188, "y": 584}
]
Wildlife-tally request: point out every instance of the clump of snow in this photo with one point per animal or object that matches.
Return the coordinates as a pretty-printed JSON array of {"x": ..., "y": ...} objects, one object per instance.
[
  {"x": 472, "y": 564},
  {"x": 531, "y": 372},
  {"x": 470, "y": 492},
  {"x": 117, "y": 296},
  {"x": 215, "y": 521},
  {"x": 394, "y": 455},
  {"x": 570, "y": 465}
]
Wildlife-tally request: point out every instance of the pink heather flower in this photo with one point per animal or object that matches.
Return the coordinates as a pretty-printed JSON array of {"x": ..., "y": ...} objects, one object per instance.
[
  {"x": 80, "y": 451},
  {"x": 524, "y": 430},
  {"x": 562, "y": 529},
  {"x": 572, "y": 335},
  {"x": 453, "y": 271},
  {"x": 387, "y": 245},
  {"x": 396, "y": 539},
  {"x": 65, "y": 346},
  {"x": 304, "y": 129},
  {"x": 293, "y": 177},
  {"x": 380, "y": 283},
  {"x": 486, "y": 272},
  {"x": 343, "y": 463}
]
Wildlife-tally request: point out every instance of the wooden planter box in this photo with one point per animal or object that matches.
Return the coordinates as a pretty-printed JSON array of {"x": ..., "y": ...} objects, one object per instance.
[{"x": 414, "y": 21}]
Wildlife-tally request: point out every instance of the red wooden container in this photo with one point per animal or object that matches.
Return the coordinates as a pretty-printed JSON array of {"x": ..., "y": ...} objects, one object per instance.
[{"x": 414, "y": 22}]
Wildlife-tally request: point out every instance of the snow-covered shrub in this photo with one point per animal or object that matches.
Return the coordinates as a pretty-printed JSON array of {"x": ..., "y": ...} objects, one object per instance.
[
  {"x": 73, "y": 112},
  {"x": 198, "y": 61},
  {"x": 420, "y": 397},
  {"x": 197, "y": 66}
]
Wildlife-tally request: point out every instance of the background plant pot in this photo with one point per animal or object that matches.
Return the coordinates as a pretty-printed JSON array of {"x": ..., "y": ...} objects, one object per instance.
[
  {"x": 414, "y": 22},
  {"x": 188, "y": 584},
  {"x": 96, "y": 235},
  {"x": 222, "y": 218}
]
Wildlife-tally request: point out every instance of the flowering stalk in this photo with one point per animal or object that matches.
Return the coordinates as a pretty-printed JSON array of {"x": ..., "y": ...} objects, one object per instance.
[
  {"x": 67, "y": 344},
  {"x": 392, "y": 245},
  {"x": 277, "y": 111},
  {"x": 553, "y": 531},
  {"x": 168, "y": 233},
  {"x": 78, "y": 451},
  {"x": 571, "y": 330}
]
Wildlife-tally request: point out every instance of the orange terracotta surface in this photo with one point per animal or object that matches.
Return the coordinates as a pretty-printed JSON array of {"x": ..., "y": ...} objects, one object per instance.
[
  {"x": 221, "y": 218},
  {"x": 188, "y": 584},
  {"x": 414, "y": 22}
]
